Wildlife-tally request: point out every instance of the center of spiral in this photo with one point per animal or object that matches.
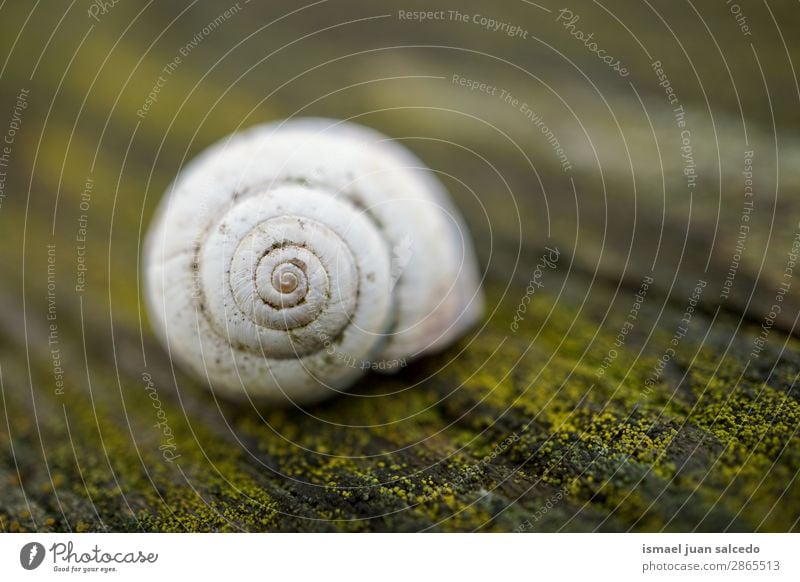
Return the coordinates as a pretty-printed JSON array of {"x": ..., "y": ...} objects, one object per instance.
[
  {"x": 285, "y": 277},
  {"x": 281, "y": 280},
  {"x": 289, "y": 282}
]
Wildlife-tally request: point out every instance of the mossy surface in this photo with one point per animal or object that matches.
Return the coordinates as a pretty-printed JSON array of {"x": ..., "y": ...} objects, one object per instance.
[
  {"x": 551, "y": 425},
  {"x": 483, "y": 444}
]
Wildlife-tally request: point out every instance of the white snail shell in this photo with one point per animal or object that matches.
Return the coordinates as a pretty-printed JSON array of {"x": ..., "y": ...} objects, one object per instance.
[{"x": 290, "y": 258}]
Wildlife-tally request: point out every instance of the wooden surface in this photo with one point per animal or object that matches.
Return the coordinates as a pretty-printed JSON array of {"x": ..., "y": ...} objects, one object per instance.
[{"x": 546, "y": 426}]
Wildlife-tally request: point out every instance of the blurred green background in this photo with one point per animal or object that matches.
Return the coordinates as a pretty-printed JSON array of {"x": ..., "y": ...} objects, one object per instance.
[{"x": 712, "y": 447}]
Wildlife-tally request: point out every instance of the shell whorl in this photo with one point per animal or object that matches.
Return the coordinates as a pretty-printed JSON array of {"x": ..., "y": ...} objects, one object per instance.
[
  {"x": 288, "y": 259},
  {"x": 281, "y": 272}
]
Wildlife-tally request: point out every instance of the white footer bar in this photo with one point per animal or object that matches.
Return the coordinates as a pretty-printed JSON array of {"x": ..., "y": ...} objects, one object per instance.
[{"x": 379, "y": 557}]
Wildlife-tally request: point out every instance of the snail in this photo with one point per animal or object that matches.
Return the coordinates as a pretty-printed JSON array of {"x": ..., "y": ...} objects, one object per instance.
[{"x": 289, "y": 259}]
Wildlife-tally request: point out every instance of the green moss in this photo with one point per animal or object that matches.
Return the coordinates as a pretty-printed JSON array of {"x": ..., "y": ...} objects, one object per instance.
[{"x": 494, "y": 426}]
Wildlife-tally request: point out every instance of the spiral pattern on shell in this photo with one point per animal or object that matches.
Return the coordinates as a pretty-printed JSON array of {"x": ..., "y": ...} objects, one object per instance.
[{"x": 280, "y": 258}]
